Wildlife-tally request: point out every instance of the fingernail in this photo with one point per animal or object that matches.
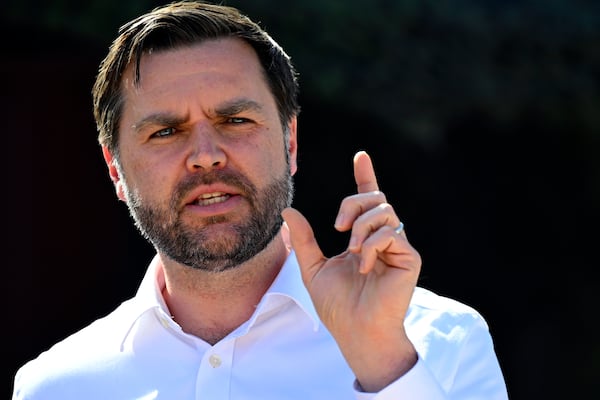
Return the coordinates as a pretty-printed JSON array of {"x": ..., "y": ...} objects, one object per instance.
[
  {"x": 339, "y": 220},
  {"x": 362, "y": 268},
  {"x": 353, "y": 243}
]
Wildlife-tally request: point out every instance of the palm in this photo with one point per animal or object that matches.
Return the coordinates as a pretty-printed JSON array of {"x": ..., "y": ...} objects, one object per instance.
[
  {"x": 347, "y": 299},
  {"x": 368, "y": 287}
]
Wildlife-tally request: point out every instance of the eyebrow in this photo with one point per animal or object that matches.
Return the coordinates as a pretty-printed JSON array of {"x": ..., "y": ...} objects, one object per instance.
[
  {"x": 236, "y": 106},
  {"x": 163, "y": 119},
  {"x": 228, "y": 108}
]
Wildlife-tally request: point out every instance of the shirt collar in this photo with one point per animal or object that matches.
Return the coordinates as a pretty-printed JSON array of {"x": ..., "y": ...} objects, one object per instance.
[
  {"x": 147, "y": 298},
  {"x": 287, "y": 286},
  {"x": 288, "y": 283}
]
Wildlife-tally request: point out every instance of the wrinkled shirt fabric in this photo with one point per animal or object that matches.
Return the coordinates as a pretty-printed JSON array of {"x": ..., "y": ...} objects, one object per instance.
[{"x": 282, "y": 352}]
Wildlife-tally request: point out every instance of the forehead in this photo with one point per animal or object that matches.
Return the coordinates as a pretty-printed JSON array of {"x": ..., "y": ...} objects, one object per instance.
[{"x": 217, "y": 60}]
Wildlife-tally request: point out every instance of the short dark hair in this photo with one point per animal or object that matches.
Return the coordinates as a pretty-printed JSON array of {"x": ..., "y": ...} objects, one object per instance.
[{"x": 176, "y": 25}]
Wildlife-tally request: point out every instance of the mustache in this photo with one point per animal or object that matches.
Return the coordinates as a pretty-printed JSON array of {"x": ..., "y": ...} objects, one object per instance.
[{"x": 229, "y": 178}]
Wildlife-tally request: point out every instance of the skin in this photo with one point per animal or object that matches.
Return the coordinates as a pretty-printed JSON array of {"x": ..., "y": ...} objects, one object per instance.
[{"x": 361, "y": 295}]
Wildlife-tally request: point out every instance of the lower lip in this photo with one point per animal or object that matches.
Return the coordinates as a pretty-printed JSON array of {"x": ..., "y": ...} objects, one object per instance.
[{"x": 210, "y": 210}]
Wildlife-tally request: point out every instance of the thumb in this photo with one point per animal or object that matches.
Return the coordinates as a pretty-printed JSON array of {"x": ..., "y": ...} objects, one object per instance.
[{"x": 309, "y": 254}]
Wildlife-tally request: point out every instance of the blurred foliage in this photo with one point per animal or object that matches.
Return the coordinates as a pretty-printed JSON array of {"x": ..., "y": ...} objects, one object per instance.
[
  {"x": 419, "y": 64},
  {"x": 415, "y": 64}
]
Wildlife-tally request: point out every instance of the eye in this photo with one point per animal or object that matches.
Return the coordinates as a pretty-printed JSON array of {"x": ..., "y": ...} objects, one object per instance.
[
  {"x": 166, "y": 132},
  {"x": 237, "y": 120}
]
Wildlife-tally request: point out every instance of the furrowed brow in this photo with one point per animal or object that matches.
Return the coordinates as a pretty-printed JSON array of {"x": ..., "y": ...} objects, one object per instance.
[
  {"x": 236, "y": 106},
  {"x": 159, "y": 119}
]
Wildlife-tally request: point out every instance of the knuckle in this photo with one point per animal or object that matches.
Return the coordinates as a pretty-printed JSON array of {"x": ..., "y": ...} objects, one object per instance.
[
  {"x": 381, "y": 195},
  {"x": 386, "y": 207}
]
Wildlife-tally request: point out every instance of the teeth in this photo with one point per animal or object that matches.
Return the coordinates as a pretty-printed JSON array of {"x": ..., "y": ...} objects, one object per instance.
[
  {"x": 209, "y": 195},
  {"x": 212, "y": 198}
]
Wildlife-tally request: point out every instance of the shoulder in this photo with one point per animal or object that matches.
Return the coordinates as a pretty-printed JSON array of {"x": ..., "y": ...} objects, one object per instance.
[
  {"x": 105, "y": 333},
  {"x": 454, "y": 342},
  {"x": 77, "y": 355},
  {"x": 447, "y": 334},
  {"x": 425, "y": 299},
  {"x": 441, "y": 323}
]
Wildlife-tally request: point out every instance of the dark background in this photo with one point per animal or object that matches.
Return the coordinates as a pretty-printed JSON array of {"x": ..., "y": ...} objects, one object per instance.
[{"x": 482, "y": 117}]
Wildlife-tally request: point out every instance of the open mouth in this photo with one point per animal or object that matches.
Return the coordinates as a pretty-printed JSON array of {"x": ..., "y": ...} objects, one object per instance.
[{"x": 212, "y": 198}]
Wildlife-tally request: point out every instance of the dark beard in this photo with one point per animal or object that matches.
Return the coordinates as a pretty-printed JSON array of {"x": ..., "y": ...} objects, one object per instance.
[{"x": 195, "y": 247}]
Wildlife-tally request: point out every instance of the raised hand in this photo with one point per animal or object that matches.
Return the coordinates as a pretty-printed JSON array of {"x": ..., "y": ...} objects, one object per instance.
[{"x": 362, "y": 295}]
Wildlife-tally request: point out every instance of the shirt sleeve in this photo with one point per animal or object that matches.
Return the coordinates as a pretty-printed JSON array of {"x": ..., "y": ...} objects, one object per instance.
[
  {"x": 465, "y": 369},
  {"x": 416, "y": 384}
]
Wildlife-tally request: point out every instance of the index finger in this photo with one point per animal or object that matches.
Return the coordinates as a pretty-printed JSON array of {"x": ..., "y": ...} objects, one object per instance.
[{"x": 364, "y": 174}]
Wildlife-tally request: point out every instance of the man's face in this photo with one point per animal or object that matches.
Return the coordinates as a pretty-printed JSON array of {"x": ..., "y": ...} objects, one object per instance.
[{"x": 203, "y": 163}]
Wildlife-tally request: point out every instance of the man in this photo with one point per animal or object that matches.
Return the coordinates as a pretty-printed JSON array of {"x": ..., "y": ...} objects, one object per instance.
[{"x": 196, "y": 108}]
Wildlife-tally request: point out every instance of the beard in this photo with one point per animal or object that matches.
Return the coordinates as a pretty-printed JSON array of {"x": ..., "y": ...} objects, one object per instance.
[{"x": 195, "y": 246}]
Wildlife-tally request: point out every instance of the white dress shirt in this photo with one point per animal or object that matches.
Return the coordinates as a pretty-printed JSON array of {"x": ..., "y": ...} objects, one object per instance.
[{"x": 282, "y": 352}]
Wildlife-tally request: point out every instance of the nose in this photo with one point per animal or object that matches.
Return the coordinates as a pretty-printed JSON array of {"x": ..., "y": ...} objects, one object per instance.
[{"x": 206, "y": 150}]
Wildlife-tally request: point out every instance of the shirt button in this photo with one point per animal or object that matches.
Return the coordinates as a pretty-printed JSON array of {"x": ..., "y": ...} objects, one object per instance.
[
  {"x": 214, "y": 360},
  {"x": 164, "y": 321}
]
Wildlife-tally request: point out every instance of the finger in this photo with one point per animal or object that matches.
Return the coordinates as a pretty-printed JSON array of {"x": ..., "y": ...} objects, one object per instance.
[
  {"x": 392, "y": 248},
  {"x": 309, "y": 254},
  {"x": 367, "y": 223},
  {"x": 354, "y": 206},
  {"x": 364, "y": 174}
]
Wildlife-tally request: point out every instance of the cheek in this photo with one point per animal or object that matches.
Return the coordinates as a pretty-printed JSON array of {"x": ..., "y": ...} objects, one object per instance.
[
  {"x": 265, "y": 161},
  {"x": 146, "y": 178}
]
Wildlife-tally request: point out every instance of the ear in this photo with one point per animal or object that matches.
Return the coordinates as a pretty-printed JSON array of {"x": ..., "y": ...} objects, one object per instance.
[
  {"x": 113, "y": 172},
  {"x": 293, "y": 144}
]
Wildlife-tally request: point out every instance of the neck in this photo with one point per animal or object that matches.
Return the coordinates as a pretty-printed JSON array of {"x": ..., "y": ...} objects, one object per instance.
[{"x": 211, "y": 305}]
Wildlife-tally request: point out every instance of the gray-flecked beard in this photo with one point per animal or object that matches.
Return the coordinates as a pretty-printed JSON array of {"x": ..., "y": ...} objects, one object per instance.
[{"x": 195, "y": 246}]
